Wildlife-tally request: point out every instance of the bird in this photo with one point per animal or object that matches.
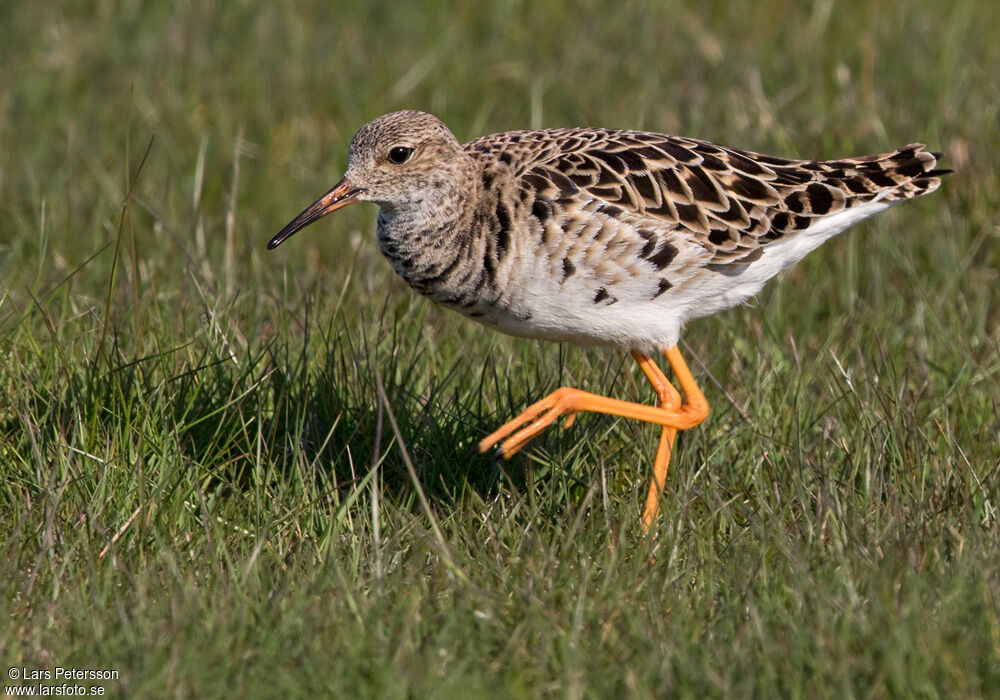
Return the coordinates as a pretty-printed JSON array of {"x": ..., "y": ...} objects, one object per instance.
[{"x": 602, "y": 237}]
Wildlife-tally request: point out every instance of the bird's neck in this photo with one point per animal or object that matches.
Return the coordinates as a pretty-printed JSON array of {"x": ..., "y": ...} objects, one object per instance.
[
  {"x": 435, "y": 243},
  {"x": 409, "y": 234}
]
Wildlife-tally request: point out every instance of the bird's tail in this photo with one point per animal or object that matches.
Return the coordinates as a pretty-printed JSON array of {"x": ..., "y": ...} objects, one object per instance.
[{"x": 902, "y": 174}]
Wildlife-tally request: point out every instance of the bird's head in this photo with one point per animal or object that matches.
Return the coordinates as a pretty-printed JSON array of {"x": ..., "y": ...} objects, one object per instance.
[{"x": 401, "y": 161}]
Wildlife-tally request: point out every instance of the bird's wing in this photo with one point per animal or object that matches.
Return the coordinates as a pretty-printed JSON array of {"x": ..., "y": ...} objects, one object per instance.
[{"x": 730, "y": 202}]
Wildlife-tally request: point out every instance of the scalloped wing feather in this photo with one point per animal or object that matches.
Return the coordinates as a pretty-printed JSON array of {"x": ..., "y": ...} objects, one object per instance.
[{"x": 730, "y": 203}]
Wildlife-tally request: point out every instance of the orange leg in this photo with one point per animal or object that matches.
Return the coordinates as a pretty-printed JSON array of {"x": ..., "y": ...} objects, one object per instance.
[
  {"x": 670, "y": 413},
  {"x": 667, "y": 397}
]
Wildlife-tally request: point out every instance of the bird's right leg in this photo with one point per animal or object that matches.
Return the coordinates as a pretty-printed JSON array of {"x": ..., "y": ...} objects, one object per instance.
[
  {"x": 670, "y": 413},
  {"x": 669, "y": 398}
]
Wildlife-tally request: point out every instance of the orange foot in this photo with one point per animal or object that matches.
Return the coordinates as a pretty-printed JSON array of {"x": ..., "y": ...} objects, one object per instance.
[{"x": 669, "y": 412}]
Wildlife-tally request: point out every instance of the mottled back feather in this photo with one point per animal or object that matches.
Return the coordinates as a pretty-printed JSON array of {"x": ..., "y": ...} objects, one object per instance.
[{"x": 730, "y": 202}]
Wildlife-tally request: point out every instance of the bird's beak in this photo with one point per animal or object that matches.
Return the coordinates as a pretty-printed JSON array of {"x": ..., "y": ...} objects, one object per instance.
[{"x": 342, "y": 194}]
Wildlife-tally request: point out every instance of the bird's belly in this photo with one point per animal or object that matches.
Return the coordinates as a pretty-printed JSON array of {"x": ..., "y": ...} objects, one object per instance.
[
  {"x": 632, "y": 312},
  {"x": 572, "y": 315}
]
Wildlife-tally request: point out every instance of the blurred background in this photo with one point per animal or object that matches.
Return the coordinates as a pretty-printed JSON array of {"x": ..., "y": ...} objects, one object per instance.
[
  {"x": 189, "y": 423},
  {"x": 249, "y": 107}
]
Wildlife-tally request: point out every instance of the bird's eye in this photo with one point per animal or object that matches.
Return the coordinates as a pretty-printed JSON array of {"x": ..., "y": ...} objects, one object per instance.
[{"x": 400, "y": 154}]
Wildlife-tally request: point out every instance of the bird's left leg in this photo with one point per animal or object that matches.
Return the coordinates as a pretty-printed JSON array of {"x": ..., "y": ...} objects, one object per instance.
[{"x": 567, "y": 400}]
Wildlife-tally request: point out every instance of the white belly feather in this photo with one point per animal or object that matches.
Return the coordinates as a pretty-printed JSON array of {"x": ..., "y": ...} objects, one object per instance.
[{"x": 567, "y": 312}]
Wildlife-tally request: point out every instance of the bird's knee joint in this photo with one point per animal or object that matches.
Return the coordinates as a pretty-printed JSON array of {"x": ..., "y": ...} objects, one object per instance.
[
  {"x": 698, "y": 412},
  {"x": 669, "y": 400},
  {"x": 563, "y": 393}
]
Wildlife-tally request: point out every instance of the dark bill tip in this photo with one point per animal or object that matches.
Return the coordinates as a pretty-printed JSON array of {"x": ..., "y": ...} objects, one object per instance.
[{"x": 342, "y": 194}]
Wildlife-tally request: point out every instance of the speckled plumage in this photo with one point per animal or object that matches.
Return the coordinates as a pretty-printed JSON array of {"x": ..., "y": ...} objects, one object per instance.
[{"x": 600, "y": 236}]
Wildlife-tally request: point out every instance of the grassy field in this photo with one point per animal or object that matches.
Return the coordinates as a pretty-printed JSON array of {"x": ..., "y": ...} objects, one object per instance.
[{"x": 205, "y": 489}]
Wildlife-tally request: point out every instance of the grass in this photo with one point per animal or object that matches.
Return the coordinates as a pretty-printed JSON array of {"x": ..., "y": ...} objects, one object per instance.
[{"x": 205, "y": 489}]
